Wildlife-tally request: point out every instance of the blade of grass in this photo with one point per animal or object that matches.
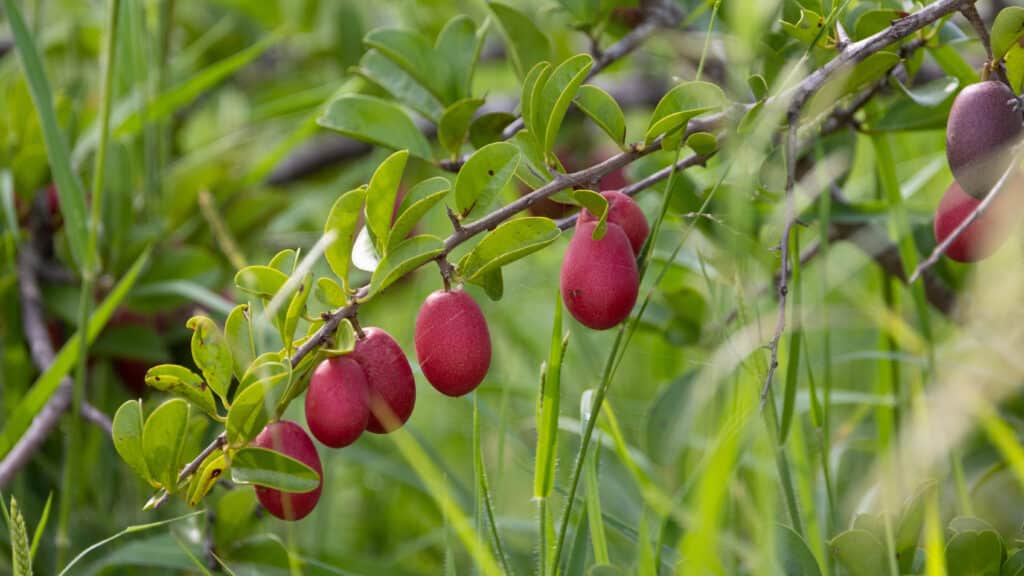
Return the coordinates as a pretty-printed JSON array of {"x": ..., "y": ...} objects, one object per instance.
[
  {"x": 484, "y": 488},
  {"x": 547, "y": 416},
  {"x": 592, "y": 494},
  {"x": 127, "y": 531},
  {"x": 41, "y": 527}
]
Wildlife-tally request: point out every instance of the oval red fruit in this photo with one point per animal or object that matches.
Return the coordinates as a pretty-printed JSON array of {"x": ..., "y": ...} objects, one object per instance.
[
  {"x": 625, "y": 212},
  {"x": 599, "y": 277},
  {"x": 290, "y": 439},
  {"x": 389, "y": 380},
  {"x": 980, "y": 132},
  {"x": 337, "y": 402},
  {"x": 453, "y": 345},
  {"x": 988, "y": 232}
]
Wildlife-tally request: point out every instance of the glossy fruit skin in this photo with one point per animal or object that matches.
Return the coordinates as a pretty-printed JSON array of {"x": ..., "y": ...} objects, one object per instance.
[
  {"x": 389, "y": 378},
  {"x": 290, "y": 439},
  {"x": 599, "y": 278},
  {"x": 453, "y": 344},
  {"x": 625, "y": 212},
  {"x": 337, "y": 402},
  {"x": 988, "y": 232},
  {"x": 979, "y": 134}
]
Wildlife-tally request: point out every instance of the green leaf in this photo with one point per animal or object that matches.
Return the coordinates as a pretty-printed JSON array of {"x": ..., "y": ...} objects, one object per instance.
[
  {"x": 210, "y": 471},
  {"x": 806, "y": 28},
  {"x": 296, "y": 309},
  {"x": 931, "y": 94},
  {"x": 343, "y": 219},
  {"x": 163, "y": 437},
  {"x": 263, "y": 467},
  {"x": 1014, "y": 565},
  {"x": 532, "y": 169},
  {"x": 974, "y": 554},
  {"x": 185, "y": 383},
  {"x": 845, "y": 82},
  {"x": 597, "y": 205},
  {"x": 558, "y": 93},
  {"x": 127, "y": 436},
  {"x": 406, "y": 257},
  {"x": 383, "y": 72},
  {"x": 795, "y": 555},
  {"x": 600, "y": 107},
  {"x": 860, "y": 553},
  {"x": 1007, "y": 29},
  {"x": 252, "y": 409},
  {"x": 685, "y": 101},
  {"x": 375, "y": 121},
  {"x": 69, "y": 187},
  {"x": 492, "y": 283},
  {"x": 454, "y": 124},
  {"x": 238, "y": 335},
  {"x": 285, "y": 261},
  {"x": 758, "y": 86},
  {"x": 129, "y": 530},
  {"x": 529, "y": 101},
  {"x": 420, "y": 199},
  {"x": 872, "y": 22},
  {"x": 269, "y": 368},
  {"x": 19, "y": 418},
  {"x": 458, "y": 44},
  {"x": 487, "y": 128},
  {"x": 507, "y": 243},
  {"x": 1015, "y": 67},
  {"x": 911, "y": 521},
  {"x": 37, "y": 536},
  {"x": 414, "y": 54},
  {"x": 583, "y": 11},
  {"x": 212, "y": 355},
  {"x": 262, "y": 281},
  {"x": 528, "y": 45},
  {"x": 329, "y": 292},
  {"x": 380, "y": 197},
  {"x": 703, "y": 143},
  {"x": 364, "y": 254},
  {"x": 485, "y": 173}
]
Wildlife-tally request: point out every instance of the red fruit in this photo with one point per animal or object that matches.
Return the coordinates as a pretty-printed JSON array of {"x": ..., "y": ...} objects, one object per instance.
[
  {"x": 289, "y": 439},
  {"x": 980, "y": 133},
  {"x": 389, "y": 380},
  {"x": 625, "y": 212},
  {"x": 988, "y": 232},
  {"x": 453, "y": 345},
  {"x": 599, "y": 277},
  {"x": 337, "y": 402}
]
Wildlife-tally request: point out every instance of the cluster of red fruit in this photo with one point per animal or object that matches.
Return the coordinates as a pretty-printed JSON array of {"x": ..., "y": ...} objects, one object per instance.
[
  {"x": 373, "y": 387},
  {"x": 981, "y": 134}
]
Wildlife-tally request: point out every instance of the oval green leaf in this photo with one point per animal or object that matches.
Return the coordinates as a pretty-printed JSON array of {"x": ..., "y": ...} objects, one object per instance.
[
  {"x": 533, "y": 84},
  {"x": 487, "y": 128},
  {"x": 458, "y": 44},
  {"x": 212, "y": 355},
  {"x": 296, "y": 309},
  {"x": 595, "y": 204},
  {"x": 420, "y": 199},
  {"x": 252, "y": 409},
  {"x": 558, "y": 93},
  {"x": 211, "y": 470},
  {"x": 263, "y": 467},
  {"x": 238, "y": 334},
  {"x": 486, "y": 172},
  {"x": 162, "y": 439},
  {"x": 413, "y": 53},
  {"x": 600, "y": 107},
  {"x": 127, "y": 436},
  {"x": 454, "y": 124},
  {"x": 703, "y": 143},
  {"x": 329, "y": 292},
  {"x": 404, "y": 258},
  {"x": 685, "y": 101},
  {"x": 528, "y": 44},
  {"x": 181, "y": 381},
  {"x": 343, "y": 219},
  {"x": 1007, "y": 29},
  {"x": 262, "y": 281},
  {"x": 507, "y": 243},
  {"x": 795, "y": 555},
  {"x": 375, "y": 121},
  {"x": 860, "y": 553},
  {"x": 383, "y": 72},
  {"x": 380, "y": 197}
]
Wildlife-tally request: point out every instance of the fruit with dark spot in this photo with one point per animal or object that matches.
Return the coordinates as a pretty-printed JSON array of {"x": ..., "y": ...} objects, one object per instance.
[
  {"x": 989, "y": 231},
  {"x": 980, "y": 133},
  {"x": 389, "y": 379},
  {"x": 599, "y": 277},
  {"x": 453, "y": 345},
  {"x": 289, "y": 439},
  {"x": 625, "y": 212},
  {"x": 337, "y": 402}
]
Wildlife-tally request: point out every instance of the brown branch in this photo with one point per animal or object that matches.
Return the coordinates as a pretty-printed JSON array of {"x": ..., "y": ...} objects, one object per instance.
[{"x": 41, "y": 350}]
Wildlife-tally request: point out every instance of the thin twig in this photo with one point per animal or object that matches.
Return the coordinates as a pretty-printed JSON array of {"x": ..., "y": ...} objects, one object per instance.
[{"x": 980, "y": 209}]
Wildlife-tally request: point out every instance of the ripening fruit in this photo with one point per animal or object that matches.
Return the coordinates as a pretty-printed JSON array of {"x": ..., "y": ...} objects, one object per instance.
[
  {"x": 625, "y": 212},
  {"x": 453, "y": 345},
  {"x": 290, "y": 439},
  {"x": 599, "y": 277},
  {"x": 389, "y": 379},
  {"x": 988, "y": 232},
  {"x": 980, "y": 132},
  {"x": 337, "y": 402}
]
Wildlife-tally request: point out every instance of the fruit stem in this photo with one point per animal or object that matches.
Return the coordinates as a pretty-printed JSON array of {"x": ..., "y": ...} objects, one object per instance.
[
  {"x": 355, "y": 325},
  {"x": 447, "y": 270}
]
